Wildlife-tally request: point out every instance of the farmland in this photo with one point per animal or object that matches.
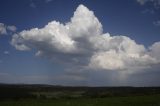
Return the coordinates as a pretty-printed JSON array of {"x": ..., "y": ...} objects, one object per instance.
[{"x": 47, "y": 95}]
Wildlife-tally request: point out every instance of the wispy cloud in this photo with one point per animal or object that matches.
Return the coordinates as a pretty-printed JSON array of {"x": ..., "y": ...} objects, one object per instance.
[
  {"x": 151, "y": 11},
  {"x": 32, "y": 4},
  {"x": 156, "y": 23},
  {"x": 5, "y": 29},
  {"x": 142, "y": 2},
  {"x": 47, "y": 1},
  {"x": 154, "y": 3},
  {"x": 6, "y": 52},
  {"x": 153, "y": 7}
]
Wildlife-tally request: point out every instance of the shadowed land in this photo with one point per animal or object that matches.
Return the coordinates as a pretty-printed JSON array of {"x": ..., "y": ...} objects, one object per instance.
[{"x": 49, "y": 95}]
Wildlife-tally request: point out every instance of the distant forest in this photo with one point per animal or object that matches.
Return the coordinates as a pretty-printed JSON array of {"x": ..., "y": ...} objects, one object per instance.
[{"x": 37, "y": 91}]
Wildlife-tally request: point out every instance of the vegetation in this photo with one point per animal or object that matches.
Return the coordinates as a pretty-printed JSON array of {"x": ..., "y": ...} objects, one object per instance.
[
  {"x": 47, "y": 95},
  {"x": 152, "y": 100}
]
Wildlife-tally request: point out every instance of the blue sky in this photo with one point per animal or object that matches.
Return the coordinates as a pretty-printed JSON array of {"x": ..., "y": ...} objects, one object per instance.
[{"x": 138, "y": 20}]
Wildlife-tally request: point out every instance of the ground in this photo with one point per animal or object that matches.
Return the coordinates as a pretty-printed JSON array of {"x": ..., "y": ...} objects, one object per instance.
[{"x": 148, "y": 100}]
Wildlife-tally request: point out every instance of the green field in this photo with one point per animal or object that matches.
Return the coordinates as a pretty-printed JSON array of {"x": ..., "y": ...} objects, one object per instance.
[
  {"x": 149, "y": 100},
  {"x": 50, "y": 95}
]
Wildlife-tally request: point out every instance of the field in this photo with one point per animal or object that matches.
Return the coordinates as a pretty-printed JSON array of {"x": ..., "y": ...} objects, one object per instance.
[
  {"x": 46, "y": 95},
  {"x": 152, "y": 100}
]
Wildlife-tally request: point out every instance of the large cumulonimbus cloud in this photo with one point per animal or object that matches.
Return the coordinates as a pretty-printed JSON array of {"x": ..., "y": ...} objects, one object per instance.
[{"x": 81, "y": 43}]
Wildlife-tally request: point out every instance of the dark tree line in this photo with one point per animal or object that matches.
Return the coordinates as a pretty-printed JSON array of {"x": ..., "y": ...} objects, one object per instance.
[{"x": 8, "y": 91}]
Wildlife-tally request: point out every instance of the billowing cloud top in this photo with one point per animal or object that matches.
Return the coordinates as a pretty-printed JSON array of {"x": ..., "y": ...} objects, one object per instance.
[{"x": 81, "y": 43}]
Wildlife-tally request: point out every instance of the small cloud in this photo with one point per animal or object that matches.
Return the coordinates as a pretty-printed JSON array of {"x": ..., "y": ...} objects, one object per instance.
[
  {"x": 154, "y": 3},
  {"x": 6, "y": 52},
  {"x": 151, "y": 11},
  {"x": 12, "y": 28},
  {"x": 32, "y": 4},
  {"x": 47, "y": 1},
  {"x": 5, "y": 29},
  {"x": 142, "y": 2},
  {"x": 153, "y": 7},
  {"x": 156, "y": 23},
  {"x": 2, "y": 29}
]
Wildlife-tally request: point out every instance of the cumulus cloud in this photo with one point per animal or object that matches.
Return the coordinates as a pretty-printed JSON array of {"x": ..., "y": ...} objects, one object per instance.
[
  {"x": 155, "y": 50},
  {"x": 81, "y": 44},
  {"x": 4, "y": 29},
  {"x": 120, "y": 53}
]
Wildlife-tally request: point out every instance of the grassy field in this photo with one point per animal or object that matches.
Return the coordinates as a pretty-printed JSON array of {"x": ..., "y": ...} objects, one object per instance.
[
  {"x": 148, "y": 100},
  {"x": 50, "y": 95}
]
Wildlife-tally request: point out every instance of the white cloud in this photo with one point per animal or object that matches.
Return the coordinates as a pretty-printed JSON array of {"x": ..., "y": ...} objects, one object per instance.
[
  {"x": 12, "y": 28},
  {"x": 155, "y": 50},
  {"x": 4, "y": 29},
  {"x": 120, "y": 53},
  {"x": 81, "y": 43}
]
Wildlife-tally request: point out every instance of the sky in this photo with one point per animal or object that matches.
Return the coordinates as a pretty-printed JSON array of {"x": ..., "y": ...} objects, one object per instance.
[{"x": 80, "y": 42}]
